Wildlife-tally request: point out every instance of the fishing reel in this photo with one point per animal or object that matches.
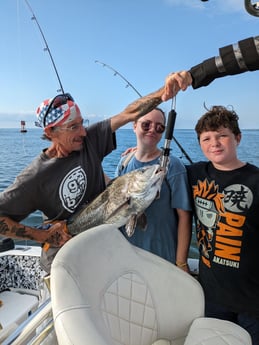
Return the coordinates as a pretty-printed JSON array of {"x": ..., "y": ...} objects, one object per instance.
[{"x": 252, "y": 8}]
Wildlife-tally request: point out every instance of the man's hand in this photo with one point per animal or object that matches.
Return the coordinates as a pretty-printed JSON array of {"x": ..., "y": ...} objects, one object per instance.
[
  {"x": 57, "y": 235},
  {"x": 129, "y": 150},
  {"x": 175, "y": 82}
]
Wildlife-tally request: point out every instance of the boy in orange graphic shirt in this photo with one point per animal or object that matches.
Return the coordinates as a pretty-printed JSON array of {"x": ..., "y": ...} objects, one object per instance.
[{"x": 226, "y": 203}]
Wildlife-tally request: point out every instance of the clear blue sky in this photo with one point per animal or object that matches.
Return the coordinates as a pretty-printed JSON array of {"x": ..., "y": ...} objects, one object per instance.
[{"x": 143, "y": 39}]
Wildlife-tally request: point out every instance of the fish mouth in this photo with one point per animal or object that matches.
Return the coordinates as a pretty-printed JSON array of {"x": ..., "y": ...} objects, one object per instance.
[
  {"x": 160, "y": 172},
  {"x": 158, "y": 176},
  {"x": 157, "y": 195}
]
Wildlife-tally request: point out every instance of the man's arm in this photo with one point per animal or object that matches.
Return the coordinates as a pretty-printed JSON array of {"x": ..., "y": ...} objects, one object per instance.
[
  {"x": 56, "y": 235},
  {"x": 147, "y": 103},
  {"x": 233, "y": 59},
  {"x": 137, "y": 109}
]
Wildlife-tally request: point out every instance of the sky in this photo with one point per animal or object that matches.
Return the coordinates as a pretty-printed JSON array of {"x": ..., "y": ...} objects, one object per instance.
[{"x": 144, "y": 40}]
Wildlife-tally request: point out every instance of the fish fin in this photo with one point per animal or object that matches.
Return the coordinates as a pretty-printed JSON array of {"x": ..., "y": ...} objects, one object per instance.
[
  {"x": 126, "y": 203},
  {"x": 142, "y": 221},
  {"x": 131, "y": 225}
]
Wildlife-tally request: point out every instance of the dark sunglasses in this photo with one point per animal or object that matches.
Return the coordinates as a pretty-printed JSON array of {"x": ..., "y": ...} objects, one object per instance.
[
  {"x": 57, "y": 102},
  {"x": 146, "y": 125}
]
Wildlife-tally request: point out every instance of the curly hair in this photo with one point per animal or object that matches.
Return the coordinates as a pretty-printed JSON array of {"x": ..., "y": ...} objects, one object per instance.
[{"x": 218, "y": 116}]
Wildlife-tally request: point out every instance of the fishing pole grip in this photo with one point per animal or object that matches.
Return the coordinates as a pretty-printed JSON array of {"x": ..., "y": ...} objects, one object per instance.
[
  {"x": 168, "y": 138},
  {"x": 170, "y": 125}
]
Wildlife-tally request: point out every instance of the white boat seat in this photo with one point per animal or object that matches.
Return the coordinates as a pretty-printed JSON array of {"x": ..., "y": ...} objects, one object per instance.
[
  {"x": 107, "y": 292},
  {"x": 15, "y": 308},
  {"x": 209, "y": 331}
]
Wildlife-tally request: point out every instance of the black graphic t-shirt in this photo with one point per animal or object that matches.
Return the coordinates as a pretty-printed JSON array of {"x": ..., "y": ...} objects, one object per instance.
[{"x": 226, "y": 205}]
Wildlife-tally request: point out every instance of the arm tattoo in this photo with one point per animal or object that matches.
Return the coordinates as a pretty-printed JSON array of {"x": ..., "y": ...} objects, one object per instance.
[
  {"x": 4, "y": 228},
  {"x": 21, "y": 232},
  {"x": 145, "y": 104},
  {"x": 14, "y": 231},
  {"x": 55, "y": 238}
]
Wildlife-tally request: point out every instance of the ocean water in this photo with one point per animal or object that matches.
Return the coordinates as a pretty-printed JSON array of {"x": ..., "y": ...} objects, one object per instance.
[{"x": 18, "y": 150}]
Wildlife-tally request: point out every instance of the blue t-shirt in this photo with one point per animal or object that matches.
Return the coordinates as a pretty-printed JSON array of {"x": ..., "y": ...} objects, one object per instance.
[{"x": 160, "y": 236}]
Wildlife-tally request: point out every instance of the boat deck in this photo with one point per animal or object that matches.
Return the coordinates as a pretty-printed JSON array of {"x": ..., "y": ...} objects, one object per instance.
[{"x": 20, "y": 268}]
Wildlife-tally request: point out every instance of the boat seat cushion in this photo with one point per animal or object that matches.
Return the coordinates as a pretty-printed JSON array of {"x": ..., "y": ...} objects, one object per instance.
[
  {"x": 106, "y": 291},
  {"x": 210, "y": 331},
  {"x": 119, "y": 294},
  {"x": 162, "y": 342}
]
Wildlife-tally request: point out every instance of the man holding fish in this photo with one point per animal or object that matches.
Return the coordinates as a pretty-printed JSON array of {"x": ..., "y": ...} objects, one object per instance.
[{"x": 67, "y": 174}]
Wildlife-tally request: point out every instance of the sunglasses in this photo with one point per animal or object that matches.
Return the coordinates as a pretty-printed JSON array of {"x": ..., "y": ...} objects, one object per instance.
[
  {"x": 57, "y": 102},
  {"x": 73, "y": 128},
  {"x": 146, "y": 125}
]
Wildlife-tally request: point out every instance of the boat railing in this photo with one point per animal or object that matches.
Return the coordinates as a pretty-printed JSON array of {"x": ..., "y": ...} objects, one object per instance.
[{"x": 35, "y": 329}]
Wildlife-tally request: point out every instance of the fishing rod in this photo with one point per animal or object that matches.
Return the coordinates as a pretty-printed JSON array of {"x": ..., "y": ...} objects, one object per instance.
[
  {"x": 120, "y": 75},
  {"x": 168, "y": 136},
  {"x": 171, "y": 119},
  {"x": 46, "y": 46}
]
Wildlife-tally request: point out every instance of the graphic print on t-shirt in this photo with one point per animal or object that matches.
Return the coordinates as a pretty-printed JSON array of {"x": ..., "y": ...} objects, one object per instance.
[
  {"x": 72, "y": 188},
  {"x": 220, "y": 221}
]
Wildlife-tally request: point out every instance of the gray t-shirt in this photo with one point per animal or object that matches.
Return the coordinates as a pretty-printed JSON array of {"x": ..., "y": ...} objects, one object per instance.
[{"x": 59, "y": 186}]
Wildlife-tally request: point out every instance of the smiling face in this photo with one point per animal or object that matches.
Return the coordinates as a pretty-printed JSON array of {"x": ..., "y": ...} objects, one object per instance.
[
  {"x": 220, "y": 147},
  {"x": 69, "y": 136},
  {"x": 219, "y": 135},
  {"x": 149, "y": 128}
]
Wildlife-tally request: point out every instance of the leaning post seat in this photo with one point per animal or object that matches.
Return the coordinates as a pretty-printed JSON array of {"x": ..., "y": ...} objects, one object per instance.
[{"x": 107, "y": 292}]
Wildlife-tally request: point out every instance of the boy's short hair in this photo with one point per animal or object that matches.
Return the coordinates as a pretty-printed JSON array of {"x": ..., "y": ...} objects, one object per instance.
[{"x": 218, "y": 116}]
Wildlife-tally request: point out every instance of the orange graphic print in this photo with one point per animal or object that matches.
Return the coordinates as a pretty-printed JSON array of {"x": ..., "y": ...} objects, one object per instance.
[{"x": 219, "y": 221}]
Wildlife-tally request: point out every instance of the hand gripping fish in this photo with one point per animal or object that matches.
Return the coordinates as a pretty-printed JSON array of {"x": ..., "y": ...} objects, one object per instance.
[{"x": 122, "y": 202}]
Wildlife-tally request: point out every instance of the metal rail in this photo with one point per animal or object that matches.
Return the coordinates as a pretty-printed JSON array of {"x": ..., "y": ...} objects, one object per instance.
[{"x": 26, "y": 333}]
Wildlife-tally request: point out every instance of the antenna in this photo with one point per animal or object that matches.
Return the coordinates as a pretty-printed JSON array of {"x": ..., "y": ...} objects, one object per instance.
[
  {"x": 46, "y": 46},
  {"x": 139, "y": 94}
]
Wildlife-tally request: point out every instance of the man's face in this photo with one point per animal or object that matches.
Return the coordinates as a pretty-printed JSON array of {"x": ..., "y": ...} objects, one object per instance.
[{"x": 70, "y": 135}]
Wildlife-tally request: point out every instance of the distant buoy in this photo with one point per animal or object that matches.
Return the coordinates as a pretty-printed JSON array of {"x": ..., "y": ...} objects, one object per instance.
[{"x": 23, "y": 129}]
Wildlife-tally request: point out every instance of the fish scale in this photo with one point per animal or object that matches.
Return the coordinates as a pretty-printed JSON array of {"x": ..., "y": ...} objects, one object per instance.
[{"x": 122, "y": 202}]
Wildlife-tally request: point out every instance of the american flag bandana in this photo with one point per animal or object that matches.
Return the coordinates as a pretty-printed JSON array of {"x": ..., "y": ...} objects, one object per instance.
[{"x": 57, "y": 116}]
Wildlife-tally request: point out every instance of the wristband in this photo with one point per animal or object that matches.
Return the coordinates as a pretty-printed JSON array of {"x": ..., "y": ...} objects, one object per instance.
[{"x": 181, "y": 264}]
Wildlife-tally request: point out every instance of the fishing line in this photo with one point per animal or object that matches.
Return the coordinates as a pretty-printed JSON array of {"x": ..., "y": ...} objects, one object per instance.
[
  {"x": 19, "y": 45},
  {"x": 171, "y": 118},
  {"x": 20, "y": 75},
  {"x": 46, "y": 46}
]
